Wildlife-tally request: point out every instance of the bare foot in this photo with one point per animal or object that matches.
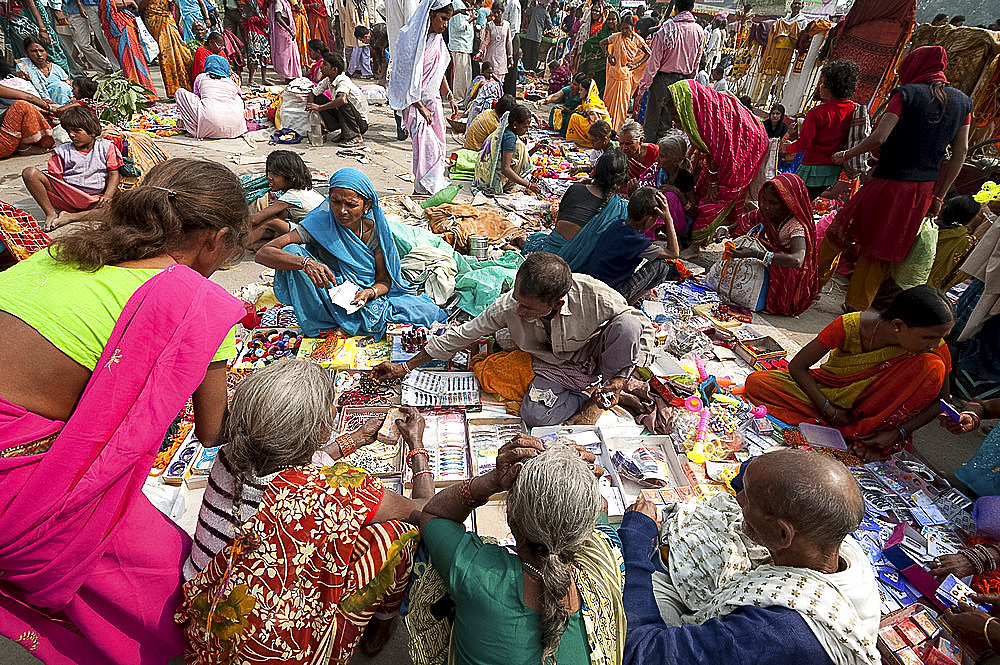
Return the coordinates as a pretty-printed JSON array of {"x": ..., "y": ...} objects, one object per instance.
[{"x": 52, "y": 221}]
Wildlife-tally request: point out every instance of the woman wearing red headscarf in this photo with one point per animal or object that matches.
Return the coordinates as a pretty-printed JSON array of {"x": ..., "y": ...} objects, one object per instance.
[
  {"x": 789, "y": 235},
  {"x": 924, "y": 117}
]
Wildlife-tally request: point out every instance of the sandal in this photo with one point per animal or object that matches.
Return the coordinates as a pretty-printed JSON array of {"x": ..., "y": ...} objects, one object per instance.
[{"x": 376, "y": 636}]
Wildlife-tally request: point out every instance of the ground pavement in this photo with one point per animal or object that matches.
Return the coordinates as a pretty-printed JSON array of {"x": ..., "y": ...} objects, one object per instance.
[{"x": 384, "y": 163}]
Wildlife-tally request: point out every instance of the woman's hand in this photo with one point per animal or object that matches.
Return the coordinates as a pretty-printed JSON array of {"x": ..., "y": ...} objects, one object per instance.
[
  {"x": 510, "y": 458},
  {"x": 967, "y": 423},
  {"x": 951, "y": 564},
  {"x": 837, "y": 417},
  {"x": 881, "y": 442},
  {"x": 454, "y": 108},
  {"x": 319, "y": 273},
  {"x": 839, "y": 157},
  {"x": 967, "y": 623},
  {"x": 387, "y": 371},
  {"x": 365, "y": 435},
  {"x": 425, "y": 112},
  {"x": 534, "y": 188},
  {"x": 647, "y": 508},
  {"x": 364, "y": 295},
  {"x": 411, "y": 427},
  {"x": 744, "y": 253},
  {"x": 591, "y": 460},
  {"x": 311, "y": 106}
]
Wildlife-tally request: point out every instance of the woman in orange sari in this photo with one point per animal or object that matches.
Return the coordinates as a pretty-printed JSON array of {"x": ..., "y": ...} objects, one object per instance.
[
  {"x": 882, "y": 380},
  {"x": 627, "y": 53},
  {"x": 175, "y": 56},
  {"x": 789, "y": 236}
]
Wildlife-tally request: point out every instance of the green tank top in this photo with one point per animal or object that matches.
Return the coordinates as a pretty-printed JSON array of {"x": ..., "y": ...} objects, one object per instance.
[{"x": 74, "y": 309}]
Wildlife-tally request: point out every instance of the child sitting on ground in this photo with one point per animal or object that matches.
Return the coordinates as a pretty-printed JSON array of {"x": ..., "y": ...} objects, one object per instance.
[
  {"x": 602, "y": 138},
  {"x": 559, "y": 76},
  {"x": 291, "y": 182},
  {"x": 82, "y": 175},
  {"x": 361, "y": 56},
  {"x": 624, "y": 245}
]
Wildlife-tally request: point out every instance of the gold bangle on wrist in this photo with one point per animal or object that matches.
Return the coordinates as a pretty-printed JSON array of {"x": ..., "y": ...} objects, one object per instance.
[{"x": 986, "y": 634}]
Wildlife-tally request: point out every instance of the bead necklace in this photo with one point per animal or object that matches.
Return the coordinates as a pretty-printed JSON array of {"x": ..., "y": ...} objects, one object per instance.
[{"x": 534, "y": 571}]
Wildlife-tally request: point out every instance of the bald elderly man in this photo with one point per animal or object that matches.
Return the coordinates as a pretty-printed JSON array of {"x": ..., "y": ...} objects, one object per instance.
[{"x": 770, "y": 577}]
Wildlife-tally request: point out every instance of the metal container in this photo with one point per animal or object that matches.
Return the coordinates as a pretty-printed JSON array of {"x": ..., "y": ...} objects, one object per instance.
[{"x": 479, "y": 246}]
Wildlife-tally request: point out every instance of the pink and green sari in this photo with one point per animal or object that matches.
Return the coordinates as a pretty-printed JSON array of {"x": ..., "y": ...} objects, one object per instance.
[
  {"x": 91, "y": 571},
  {"x": 735, "y": 140}
]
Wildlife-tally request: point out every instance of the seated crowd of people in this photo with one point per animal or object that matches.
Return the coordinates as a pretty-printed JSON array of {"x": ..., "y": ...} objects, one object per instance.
[{"x": 299, "y": 557}]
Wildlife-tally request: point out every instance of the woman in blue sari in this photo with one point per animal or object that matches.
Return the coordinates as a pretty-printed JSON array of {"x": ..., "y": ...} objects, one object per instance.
[
  {"x": 345, "y": 240},
  {"x": 585, "y": 212},
  {"x": 49, "y": 79}
]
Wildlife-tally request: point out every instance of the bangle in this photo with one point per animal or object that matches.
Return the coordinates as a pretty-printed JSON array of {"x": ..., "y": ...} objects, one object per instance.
[
  {"x": 346, "y": 444},
  {"x": 768, "y": 257},
  {"x": 416, "y": 451},
  {"x": 406, "y": 365},
  {"x": 938, "y": 199},
  {"x": 305, "y": 260},
  {"x": 826, "y": 405},
  {"x": 986, "y": 628},
  {"x": 976, "y": 420},
  {"x": 427, "y": 471},
  {"x": 902, "y": 433},
  {"x": 465, "y": 492}
]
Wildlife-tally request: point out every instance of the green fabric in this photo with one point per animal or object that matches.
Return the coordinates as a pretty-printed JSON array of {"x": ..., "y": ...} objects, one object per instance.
[
  {"x": 479, "y": 283},
  {"x": 916, "y": 267},
  {"x": 818, "y": 175},
  {"x": 684, "y": 103},
  {"x": 702, "y": 236},
  {"x": 464, "y": 167},
  {"x": 593, "y": 59},
  {"x": 492, "y": 625},
  {"x": 73, "y": 309}
]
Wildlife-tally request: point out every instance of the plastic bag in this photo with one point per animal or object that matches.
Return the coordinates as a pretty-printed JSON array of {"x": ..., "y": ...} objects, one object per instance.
[
  {"x": 916, "y": 267},
  {"x": 292, "y": 113}
]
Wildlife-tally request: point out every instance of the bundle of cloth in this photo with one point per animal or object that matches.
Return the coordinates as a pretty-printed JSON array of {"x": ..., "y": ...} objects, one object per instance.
[{"x": 455, "y": 223}]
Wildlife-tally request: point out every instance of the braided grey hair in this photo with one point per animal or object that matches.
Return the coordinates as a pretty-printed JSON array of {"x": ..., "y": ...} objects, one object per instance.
[{"x": 554, "y": 505}]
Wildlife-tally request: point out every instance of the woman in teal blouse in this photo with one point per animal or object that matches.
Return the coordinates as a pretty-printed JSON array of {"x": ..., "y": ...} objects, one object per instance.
[{"x": 558, "y": 595}]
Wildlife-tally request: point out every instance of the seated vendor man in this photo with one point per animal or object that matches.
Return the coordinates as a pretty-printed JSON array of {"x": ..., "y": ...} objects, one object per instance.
[
  {"x": 768, "y": 577},
  {"x": 348, "y": 108},
  {"x": 576, "y": 329}
]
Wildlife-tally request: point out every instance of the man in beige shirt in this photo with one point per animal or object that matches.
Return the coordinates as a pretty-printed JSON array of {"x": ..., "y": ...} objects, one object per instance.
[{"x": 577, "y": 330}]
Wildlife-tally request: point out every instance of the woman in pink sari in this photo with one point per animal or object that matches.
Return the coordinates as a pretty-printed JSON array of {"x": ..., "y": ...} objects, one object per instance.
[
  {"x": 113, "y": 329},
  {"x": 284, "y": 49},
  {"x": 416, "y": 86},
  {"x": 735, "y": 142}
]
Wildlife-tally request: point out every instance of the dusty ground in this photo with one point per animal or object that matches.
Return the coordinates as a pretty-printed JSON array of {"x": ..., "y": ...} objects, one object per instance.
[{"x": 388, "y": 159}]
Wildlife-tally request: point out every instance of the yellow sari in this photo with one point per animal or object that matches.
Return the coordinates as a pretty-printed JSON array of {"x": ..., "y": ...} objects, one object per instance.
[
  {"x": 621, "y": 79},
  {"x": 175, "y": 56},
  {"x": 590, "y": 111}
]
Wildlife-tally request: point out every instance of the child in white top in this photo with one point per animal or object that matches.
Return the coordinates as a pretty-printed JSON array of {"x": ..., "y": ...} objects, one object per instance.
[{"x": 293, "y": 197}]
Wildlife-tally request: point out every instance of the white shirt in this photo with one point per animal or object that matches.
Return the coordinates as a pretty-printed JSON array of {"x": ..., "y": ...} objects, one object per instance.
[
  {"x": 344, "y": 84},
  {"x": 396, "y": 14},
  {"x": 512, "y": 14}
]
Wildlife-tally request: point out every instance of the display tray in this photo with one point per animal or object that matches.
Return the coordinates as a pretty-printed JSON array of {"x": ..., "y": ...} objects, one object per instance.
[
  {"x": 670, "y": 471},
  {"x": 486, "y": 437},
  {"x": 357, "y": 388},
  {"x": 447, "y": 444},
  {"x": 263, "y": 346},
  {"x": 378, "y": 459}
]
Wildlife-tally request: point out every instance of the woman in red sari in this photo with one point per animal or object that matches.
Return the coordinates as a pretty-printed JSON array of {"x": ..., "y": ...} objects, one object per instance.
[
  {"x": 641, "y": 155},
  {"x": 110, "y": 332},
  {"x": 789, "y": 234},
  {"x": 882, "y": 381},
  {"x": 735, "y": 142},
  {"x": 879, "y": 224},
  {"x": 319, "y": 21}
]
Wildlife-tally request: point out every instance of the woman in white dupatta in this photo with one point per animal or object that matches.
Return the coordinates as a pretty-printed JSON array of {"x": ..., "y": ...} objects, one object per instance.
[{"x": 416, "y": 86}]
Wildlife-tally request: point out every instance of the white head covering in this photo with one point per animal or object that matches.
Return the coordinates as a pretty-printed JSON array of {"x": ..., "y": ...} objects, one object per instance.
[{"x": 407, "y": 71}]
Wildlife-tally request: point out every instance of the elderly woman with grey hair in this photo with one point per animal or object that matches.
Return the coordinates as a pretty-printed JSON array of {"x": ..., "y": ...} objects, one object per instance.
[
  {"x": 558, "y": 596},
  {"x": 293, "y": 562}
]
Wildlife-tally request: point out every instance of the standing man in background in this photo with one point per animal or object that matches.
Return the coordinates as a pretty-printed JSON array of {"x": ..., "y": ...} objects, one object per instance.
[
  {"x": 396, "y": 14},
  {"x": 675, "y": 53},
  {"x": 538, "y": 22},
  {"x": 461, "y": 30},
  {"x": 512, "y": 14},
  {"x": 81, "y": 34}
]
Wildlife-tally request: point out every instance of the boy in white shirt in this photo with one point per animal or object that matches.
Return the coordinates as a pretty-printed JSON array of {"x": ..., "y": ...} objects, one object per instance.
[{"x": 348, "y": 108}]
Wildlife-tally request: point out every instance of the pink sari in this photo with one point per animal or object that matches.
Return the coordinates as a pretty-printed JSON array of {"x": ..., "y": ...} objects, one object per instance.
[
  {"x": 430, "y": 150},
  {"x": 718, "y": 124},
  {"x": 284, "y": 50},
  {"x": 91, "y": 571}
]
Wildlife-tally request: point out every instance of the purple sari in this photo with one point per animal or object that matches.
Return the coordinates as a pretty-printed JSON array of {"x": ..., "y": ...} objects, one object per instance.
[{"x": 91, "y": 571}]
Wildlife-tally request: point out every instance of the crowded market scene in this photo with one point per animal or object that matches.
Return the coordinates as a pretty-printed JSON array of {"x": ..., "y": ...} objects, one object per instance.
[{"x": 682, "y": 316}]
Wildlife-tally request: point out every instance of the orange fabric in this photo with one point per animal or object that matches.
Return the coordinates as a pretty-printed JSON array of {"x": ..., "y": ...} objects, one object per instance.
[
  {"x": 23, "y": 125},
  {"x": 507, "y": 374}
]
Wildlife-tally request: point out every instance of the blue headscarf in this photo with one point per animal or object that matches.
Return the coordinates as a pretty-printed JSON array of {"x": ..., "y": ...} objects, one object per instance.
[
  {"x": 216, "y": 64},
  {"x": 356, "y": 261}
]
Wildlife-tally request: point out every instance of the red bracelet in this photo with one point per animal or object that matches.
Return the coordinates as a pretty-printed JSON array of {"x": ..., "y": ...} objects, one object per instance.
[
  {"x": 466, "y": 495},
  {"x": 347, "y": 445},
  {"x": 416, "y": 451}
]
